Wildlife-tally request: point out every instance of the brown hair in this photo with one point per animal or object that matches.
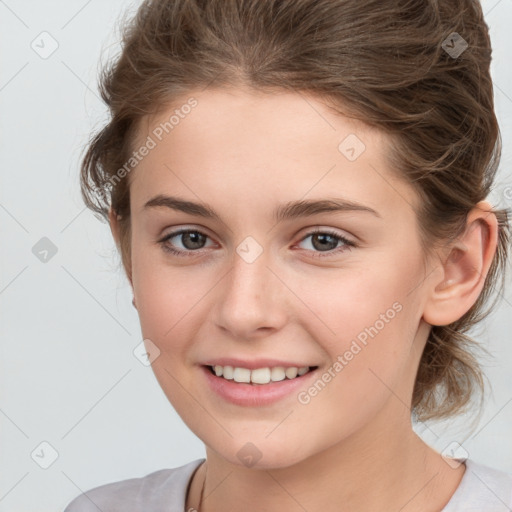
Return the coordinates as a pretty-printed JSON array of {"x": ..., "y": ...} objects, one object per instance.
[{"x": 389, "y": 63}]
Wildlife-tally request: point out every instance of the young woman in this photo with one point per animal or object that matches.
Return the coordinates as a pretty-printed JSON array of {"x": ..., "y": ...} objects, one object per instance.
[{"x": 298, "y": 192}]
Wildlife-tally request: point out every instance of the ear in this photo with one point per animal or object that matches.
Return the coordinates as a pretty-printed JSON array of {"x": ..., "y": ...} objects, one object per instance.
[
  {"x": 464, "y": 268},
  {"x": 114, "y": 225},
  {"x": 114, "y": 228}
]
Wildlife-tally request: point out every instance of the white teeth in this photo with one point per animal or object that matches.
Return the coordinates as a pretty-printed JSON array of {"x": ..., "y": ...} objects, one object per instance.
[
  {"x": 227, "y": 372},
  {"x": 291, "y": 373},
  {"x": 242, "y": 375},
  {"x": 277, "y": 374},
  {"x": 259, "y": 375}
]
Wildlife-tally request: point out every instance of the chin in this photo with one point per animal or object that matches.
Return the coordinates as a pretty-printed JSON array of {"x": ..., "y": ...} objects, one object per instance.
[{"x": 261, "y": 455}]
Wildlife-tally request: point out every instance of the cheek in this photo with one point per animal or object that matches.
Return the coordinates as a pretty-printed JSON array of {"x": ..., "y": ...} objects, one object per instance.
[
  {"x": 371, "y": 362},
  {"x": 368, "y": 322},
  {"x": 167, "y": 297},
  {"x": 354, "y": 305}
]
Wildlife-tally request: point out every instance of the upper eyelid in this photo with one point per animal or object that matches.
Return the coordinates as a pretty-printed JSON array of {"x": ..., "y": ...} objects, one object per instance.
[
  {"x": 330, "y": 231},
  {"x": 180, "y": 231}
]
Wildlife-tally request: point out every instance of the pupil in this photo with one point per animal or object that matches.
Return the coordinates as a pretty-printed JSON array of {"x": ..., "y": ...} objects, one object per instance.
[
  {"x": 323, "y": 238},
  {"x": 195, "y": 238}
]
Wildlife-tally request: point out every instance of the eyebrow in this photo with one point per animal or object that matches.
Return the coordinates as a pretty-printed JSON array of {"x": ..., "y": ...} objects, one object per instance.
[{"x": 290, "y": 210}]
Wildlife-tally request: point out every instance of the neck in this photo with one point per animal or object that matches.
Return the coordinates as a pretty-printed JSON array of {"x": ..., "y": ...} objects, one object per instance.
[{"x": 384, "y": 470}]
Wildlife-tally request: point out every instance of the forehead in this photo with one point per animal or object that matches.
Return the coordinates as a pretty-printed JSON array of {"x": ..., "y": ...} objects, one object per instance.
[
  {"x": 291, "y": 115},
  {"x": 273, "y": 144}
]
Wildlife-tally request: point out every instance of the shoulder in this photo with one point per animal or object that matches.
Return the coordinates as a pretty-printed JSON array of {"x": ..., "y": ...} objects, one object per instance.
[
  {"x": 482, "y": 489},
  {"x": 164, "y": 489}
]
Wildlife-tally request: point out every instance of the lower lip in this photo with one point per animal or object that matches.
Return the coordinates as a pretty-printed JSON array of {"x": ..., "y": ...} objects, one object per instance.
[{"x": 253, "y": 395}]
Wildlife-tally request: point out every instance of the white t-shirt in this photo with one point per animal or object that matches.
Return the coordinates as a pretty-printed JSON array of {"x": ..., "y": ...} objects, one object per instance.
[{"x": 482, "y": 489}]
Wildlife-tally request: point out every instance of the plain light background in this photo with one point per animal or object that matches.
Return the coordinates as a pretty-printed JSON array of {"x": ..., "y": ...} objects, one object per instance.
[{"x": 73, "y": 395}]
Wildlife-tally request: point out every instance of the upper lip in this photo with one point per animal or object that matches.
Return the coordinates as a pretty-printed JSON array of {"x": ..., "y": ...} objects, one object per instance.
[{"x": 255, "y": 363}]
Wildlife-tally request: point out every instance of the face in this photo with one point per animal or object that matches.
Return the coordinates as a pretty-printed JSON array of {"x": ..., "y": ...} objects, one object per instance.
[{"x": 335, "y": 283}]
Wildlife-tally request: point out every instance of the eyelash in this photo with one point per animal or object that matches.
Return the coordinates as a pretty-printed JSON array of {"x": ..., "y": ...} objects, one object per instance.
[{"x": 317, "y": 254}]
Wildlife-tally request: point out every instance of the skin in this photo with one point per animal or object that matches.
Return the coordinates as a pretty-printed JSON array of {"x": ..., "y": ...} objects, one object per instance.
[{"x": 243, "y": 153}]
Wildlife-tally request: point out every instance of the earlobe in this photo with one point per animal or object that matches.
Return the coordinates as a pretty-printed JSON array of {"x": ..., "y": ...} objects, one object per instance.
[{"x": 464, "y": 269}]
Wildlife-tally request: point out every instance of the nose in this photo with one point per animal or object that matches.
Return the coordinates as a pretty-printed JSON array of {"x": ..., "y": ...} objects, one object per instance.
[{"x": 252, "y": 302}]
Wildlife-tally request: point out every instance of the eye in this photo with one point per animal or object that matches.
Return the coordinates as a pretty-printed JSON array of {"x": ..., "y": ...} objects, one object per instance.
[
  {"x": 322, "y": 241},
  {"x": 326, "y": 241},
  {"x": 191, "y": 239}
]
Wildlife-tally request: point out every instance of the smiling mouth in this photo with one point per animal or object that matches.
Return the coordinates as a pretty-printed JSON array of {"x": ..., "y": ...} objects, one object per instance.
[{"x": 260, "y": 376}]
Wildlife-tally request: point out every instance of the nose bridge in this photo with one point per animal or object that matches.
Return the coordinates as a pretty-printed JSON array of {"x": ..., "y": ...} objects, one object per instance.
[
  {"x": 250, "y": 271},
  {"x": 249, "y": 281},
  {"x": 250, "y": 298}
]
